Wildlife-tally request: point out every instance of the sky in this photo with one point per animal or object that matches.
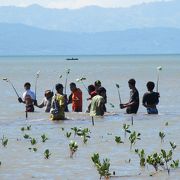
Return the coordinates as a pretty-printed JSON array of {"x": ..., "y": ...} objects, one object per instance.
[{"x": 73, "y": 4}]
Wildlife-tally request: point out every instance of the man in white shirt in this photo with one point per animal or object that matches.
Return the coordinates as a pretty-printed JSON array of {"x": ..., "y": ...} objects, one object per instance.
[{"x": 28, "y": 98}]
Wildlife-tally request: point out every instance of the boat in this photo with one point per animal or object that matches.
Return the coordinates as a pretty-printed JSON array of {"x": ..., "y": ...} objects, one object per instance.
[{"x": 72, "y": 59}]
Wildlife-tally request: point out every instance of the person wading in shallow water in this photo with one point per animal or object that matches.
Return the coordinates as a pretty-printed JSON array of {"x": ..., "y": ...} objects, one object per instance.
[
  {"x": 46, "y": 102},
  {"x": 133, "y": 104},
  {"x": 97, "y": 103},
  {"x": 97, "y": 85},
  {"x": 58, "y": 104},
  {"x": 28, "y": 98},
  {"x": 75, "y": 98},
  {"x": 151, "y": 99}
]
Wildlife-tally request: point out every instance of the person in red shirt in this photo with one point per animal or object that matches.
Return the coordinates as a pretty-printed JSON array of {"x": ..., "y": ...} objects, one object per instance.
[{"x": 75, "y": 98}]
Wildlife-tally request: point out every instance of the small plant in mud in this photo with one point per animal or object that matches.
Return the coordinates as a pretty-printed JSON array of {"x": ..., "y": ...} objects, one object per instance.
[
  {"x": 134, "y": 136},
  {"x": 26, "y": 136},
  {"x": 173, "y": 145},
  {"x": 126, "y": 129},
  {"x": 62, "y": 129},
  {"x": 28, "y": 128},
  {"x": 175, "y": 164},
  {"x": 4, "y": 141},
  {"x": 34, "y": 149},
  {"x": 76, "y": 130},
  {"x": 155, "y": 160},
  {"x": 68, "y": 134},
  {"x": 84, "y": 133},
  {"x": 118, "y": 139},
  {"x": 162, "y": 135},
  {"x": 102, "y": 168},
  {"x": 73, "y": 146},
  {"x": 44, "y": 138},
  {"x": 142, "y": 157},
  {"x": 33, "y": 141},
  {"x": 166, "y": 124},
  {"x": 47, "y": 154},
  {"x": 167, "y": 157}
]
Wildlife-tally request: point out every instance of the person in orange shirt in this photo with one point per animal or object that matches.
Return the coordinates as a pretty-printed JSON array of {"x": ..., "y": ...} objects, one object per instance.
[{"x": 75, "y": 98}]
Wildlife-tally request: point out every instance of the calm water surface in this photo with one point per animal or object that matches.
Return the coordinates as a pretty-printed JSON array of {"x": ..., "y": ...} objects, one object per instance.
[{"x": 18, "y": 162}]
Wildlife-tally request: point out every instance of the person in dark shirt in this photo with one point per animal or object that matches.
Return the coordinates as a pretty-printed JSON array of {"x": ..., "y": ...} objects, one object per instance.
[
  {"x": 151, "y": 99},
  {"x": 133, "y": 104}
]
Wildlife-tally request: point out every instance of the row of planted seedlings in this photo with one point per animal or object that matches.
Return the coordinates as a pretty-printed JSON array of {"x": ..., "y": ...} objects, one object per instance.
[{"x": 163, "y": 160}]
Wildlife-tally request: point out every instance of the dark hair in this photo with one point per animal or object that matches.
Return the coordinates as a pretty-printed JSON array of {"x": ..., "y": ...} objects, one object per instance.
[
  {"x": 132, "y": 82},
  {"x": 91, "y": 88},
  {"x": 72, "y": 84},
  {"x": 97, "y": 83},
  {"x": 101, "y": 90},
  {"x": 58, "y": 86},
  {"x": 150, "y": 85},
  {"x": 27, "y": 84}
]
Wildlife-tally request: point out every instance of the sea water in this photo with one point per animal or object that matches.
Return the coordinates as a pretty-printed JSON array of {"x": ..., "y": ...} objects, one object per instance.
[{"x": 18, "y": 162}]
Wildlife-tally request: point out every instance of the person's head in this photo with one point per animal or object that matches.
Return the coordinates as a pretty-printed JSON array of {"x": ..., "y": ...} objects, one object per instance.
[
  {"x": 101, "y": 91},
  {"x": 59, "y": 88},
  {"x": 91, "y": 88},
  {"x": 72, "y": 86},
  {"x": 132, "y": 83},
  {"x": 150, "y": 85},
  {"x": 48, "y": 94},
  {"x": 97, "y": 84},
  {"x": 27, "y": 86}
]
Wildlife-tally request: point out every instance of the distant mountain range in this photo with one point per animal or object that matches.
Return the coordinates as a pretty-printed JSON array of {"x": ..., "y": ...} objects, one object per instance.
[
  {"x": 96, "y": 19},
  {"x": 18, "y": 39}
]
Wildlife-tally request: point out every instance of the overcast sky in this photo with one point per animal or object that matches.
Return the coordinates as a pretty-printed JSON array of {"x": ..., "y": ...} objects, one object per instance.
[{"x": 76, "y": 3}]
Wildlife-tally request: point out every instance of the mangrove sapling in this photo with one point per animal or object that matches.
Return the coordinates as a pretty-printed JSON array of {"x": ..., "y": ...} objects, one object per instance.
[
  {"x": 162, "y": 135},
  {"x": 133, "y": 138},
  {"x": 117, "y": 85},
  {"x": 67, "y": 73},
  {"x": 173, "y": 145},
  {"x": 81, "y": 80},
  {"x": 34, "y": 149},
  {"x": 102, "y": 168},
  {"x": 166, "y": 124},
  {"x": 68, "y": 134},
  {"x": 167, "y": 156},
  {"x": 28, "y": 128},
  {"x": 142, "y": 157},
  {"x": 4, "y": 141},
  {"x": 76, "y": 130},
  {"x": 44, "y": 138},
  {"x": 47, "y": 154},
  {"x": 95, "y": 158},
  {"x": 62, "y": 129},
  {"x": 126, "y": 129},
  {"x": 26, "y": 136},
  {"x": 118, "y": 140},
  {"x": 73, "y": 146},
  {"x": 33, "y": 141},
  {"x": 158, "y": 71},
  {"x": 85, "y": 134},
  {"x": 155, "y": 160},
  {"x": 175, "y": 164}
]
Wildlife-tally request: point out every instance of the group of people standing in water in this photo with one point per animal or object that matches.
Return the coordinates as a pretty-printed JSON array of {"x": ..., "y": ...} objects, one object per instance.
[{"x": 57, "y": 103}]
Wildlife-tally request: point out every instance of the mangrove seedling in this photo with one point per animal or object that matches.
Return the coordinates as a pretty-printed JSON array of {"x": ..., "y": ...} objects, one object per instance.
[
  {"x": 33, "y": 141},
  {"x": 102, "y": 168},
  {"x": 142, "y": 157},
  {"x": 175, "y": 164},
  {"x": 73, "y": 146},
  {"x": 118, "y": 139},
  {"x": 112, "y": 105},
  {"x": 76, "y": 130},
  {"x": 162, "y": 135},
  {"x": 173, "y": 145},
  {"x": 68, "y": 134},
  {"x": 22, "y": 129},
  {"x": 28, "y": 128},
  {"x": 166, "y": 124},
  {"x": 85, "y": 134},
  {"x": 95, "y": 158},
  {"x": 4, "y": 141},
  {"x": 44, "y": 138},
  {"x": 47, "y": 154},
  {"x": 155, "y": 160},
  {"x": 167, "y": 156},
  {"x": 62, "y": 129},
  {"x": 34, "y": 149},
  {"x": 26, "y": 136},
  {"x": 126, "y": 129},
  {"x": 133, "y": 138}
]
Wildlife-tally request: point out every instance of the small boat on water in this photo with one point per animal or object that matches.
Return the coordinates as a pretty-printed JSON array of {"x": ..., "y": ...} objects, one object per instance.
[{"x": 72, "y": 59}]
